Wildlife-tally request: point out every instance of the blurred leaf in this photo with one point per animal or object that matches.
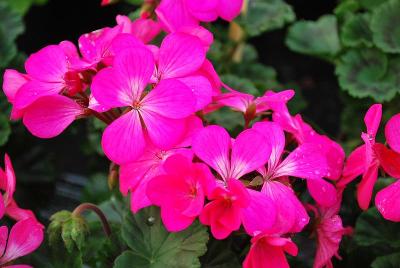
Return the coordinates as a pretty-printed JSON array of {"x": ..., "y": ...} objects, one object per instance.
[
  {"x": 226, "y": 118},
  {"x": 318, "y": 38},
  {"x": 266, "y": 15},
  {"x": 22, "y": 6},
  {"x": 240, "y": 84},
  {"x": 362, "y": 74},
  {"x": 371, "y": 4},
  {"x": 388, "y": 261},
  {"x": 128, "y": 259},
  {"x": 346, "y": 8},
  {"x": 372, "y": 230},
  {"x": 356, "y": 31},
  {"x": 384, "y": 25},
  {"x": 220, "y": 255},
  {"x": 96, "y": 190},
  {"x": 5, "y": 129},
  {"x": 153, "y": 246}
]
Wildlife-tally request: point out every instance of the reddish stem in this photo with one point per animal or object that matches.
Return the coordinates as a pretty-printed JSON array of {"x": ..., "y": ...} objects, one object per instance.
[{"x": 88, "y": 206}]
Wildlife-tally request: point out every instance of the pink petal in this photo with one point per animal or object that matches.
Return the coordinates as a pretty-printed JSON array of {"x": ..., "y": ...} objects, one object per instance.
[
  {"x": 171, "y": 98},
  {"x": 392, "y": 132},
  {"x": 373, "y": 118},
  {"x": 202, "y": 33},
  {"x": 290, "y": 213},
  {"x": 12, "y": 82},
  {"x": 145, "y": 29},
  {"x": 207, "y": 70},
  {"x": 10, "y": 180},
  {"x": 260, "y": 215},
  {"x": 175, "y": 222},
  {"x": 125, "y": 41},
  {"x": 354, "y": 166},
  {"x": 33, "y": 90},
  {"x": 3, "y": 239},
  {"x": 16, "y": 213},
  {"x": 366, "y": 186},
  {"x": 212, "y": 145},
  {"x": 389, "y": 160},
  {"x": 201, "y": 89},
  {"x": 2, "y": 210},
  {"x": 163, "y": 132},
  {"x": 49, "y": 116},
  {"x": 387, "y": 201},
  {"x": 96, "y": 106},
  {"x": 48, "y": 64},
  {"x": 25, "y": 237},
  {"x": 130, "y": 142},
  {"x": 18, "y": 266},
  {"x": 173, "y": 14},
  {"x": 139, "y": 197},
  {"x": 322, "y": 191},
  {"x": 123, "y": 84},
  {"x": 203, "y": 10},
  {"x": 249, "y": 152},
  {"x": 304, "y": 162},
  {"x": 238, "y": 101},
  {"x": 229, "y": 9},
  {"x": 180, "y": 55},
  {"x": 276, "y": 139}
]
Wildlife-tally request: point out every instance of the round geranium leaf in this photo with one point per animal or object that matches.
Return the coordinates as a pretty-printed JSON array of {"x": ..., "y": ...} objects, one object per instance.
[{"x": 356, "y": 31}]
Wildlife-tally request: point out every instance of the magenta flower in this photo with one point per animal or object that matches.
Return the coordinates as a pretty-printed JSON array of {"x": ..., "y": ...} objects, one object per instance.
[
  {"x": 8, "y": 206},
  {"x": 392, "y": 133},
  {"x": 233, "y": 204},
  {"x": 143, "y": 28},
  {"x": 24, "y": 238},
  {"x": 180, "y": 192},
  {"x": 174, "y": 14},
  {"x": 158, "y": 115},
  {"x": 269, "y": 251},
  {"x": 366, "y": 160},
  {"x": 329, "y": 231}
]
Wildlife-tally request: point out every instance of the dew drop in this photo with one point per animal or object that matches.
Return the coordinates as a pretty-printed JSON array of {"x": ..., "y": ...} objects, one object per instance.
[{"x": 150, "y": 221}]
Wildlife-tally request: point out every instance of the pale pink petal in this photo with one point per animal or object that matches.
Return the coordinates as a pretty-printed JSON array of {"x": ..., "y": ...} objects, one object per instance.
[
  {"x": 290, "y": 213},
  {"x": 163, "y": 132},
  {"x": 260, "y": 215},
  {"x": 275, "y": 137},
  {"x": 130, "y": 142},
  {"x": 3, "y": 239},
  {"x": 123, "y": 84},
  {"x": 170, "y": 98},
  {"x": 392, "y": 132},
  {"x": 49, "y": 116},
  {"x": 173, "y": 14},
  {"x": 366, "y": 186},
  {"x": 201, "y": 89},
  {"x": 354, "y": 166},
  {"x": 389, "y": 160},
  {"x": 322, "y": 191},
  {"x": 212, "y": 145},
  {"x": 249, "y": 152},
  {"x": 387, "y": 201},
  {"x": 229, "y": 9},
  {"x": 373, "y": 118},
  {"x": 12, "y": 82},
  {"x": 304, "y": 162},
  {"x": 180, "y": 55},
  {"x": 48, "y": 64},
  {"x": 33, "y": 90},
  {"x": 25, "y": 237}
]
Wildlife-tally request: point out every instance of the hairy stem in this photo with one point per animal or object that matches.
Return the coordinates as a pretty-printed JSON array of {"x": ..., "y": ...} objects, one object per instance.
[{"x": 92, "y": 207}]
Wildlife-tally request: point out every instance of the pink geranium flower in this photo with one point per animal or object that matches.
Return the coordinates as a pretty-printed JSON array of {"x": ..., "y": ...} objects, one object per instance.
[
  {"x": 231, "y": 160},
  {"x": 157, "y": 114},
  {"x": 180, "y": 192},
  {"x": 304, "y": 162},
  {"x": 8, "y": 205},
  {"x": 329, "y": 231},
  {"x": 269, "y": 251},
  {"x": 175, "y": 14},
  {"x": 24, "y": 238},
  {"x": 366, "y": 161},
  {"x": 143, "y": 28},
  {"x": 392, "y": 133}
]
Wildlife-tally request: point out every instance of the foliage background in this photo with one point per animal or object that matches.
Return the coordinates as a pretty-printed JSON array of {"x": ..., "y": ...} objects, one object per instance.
[{"x": 62, "y": 172}]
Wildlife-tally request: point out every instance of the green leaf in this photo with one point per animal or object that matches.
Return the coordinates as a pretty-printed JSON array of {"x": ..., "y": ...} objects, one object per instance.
[
  {"x": 239, "y": 83},
  {"x": 346, "y": 8},
  {"x": 371, "y": 4},
  {"x": 388, "y": 261},
  {"x": 5, "y": 129},
  {"x": 372, "y": 230},
  {"x": 220, "y": 255},
  {"x": 362, "y": 74},
  {"x": 318, "y": 38},
  {"x": 22, "y": 6},
  {"x": 356, "y": 32},
  {"x": 384, "y": 26},
  {"x": 266, "y": 15},
  {"x": 153, "y": 246}
]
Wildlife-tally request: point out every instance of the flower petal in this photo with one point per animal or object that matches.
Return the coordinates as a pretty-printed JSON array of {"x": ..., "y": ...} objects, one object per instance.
[
  {"x": 171, "y": 98},
  {"x": 180, "y": 55},
  {"x": 25, "y": 237},
  {"x": 12, "y": 82},
  {"x": 212, "y": 144},
  {"x": 387, "y": 201},
  {"x": 322, "y": 191},
  {"x": 392, "y": 132},
  {"x": 249, "y": 152},
  {"x": 373, "y": 118},
  {"x": 366, "y": 186},
  {"x": 130, "y": 142},
  {"x": 229, "y": 9},
  {"x": 389, "y": 160},
  {"x": 174, "y": 14},
  {"x": 3, "y": 239},
  {"x": 354, "y": 166},
  {"x": 50, "y": 115},
  {"x": 201, "y": 89},
  {"x": 33, "y": 90}
]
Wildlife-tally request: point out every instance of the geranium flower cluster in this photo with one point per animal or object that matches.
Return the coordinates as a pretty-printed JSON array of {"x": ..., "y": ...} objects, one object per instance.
[
  {"x": 153, "y": 99},
  {"x": 26, "y": 234}
]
